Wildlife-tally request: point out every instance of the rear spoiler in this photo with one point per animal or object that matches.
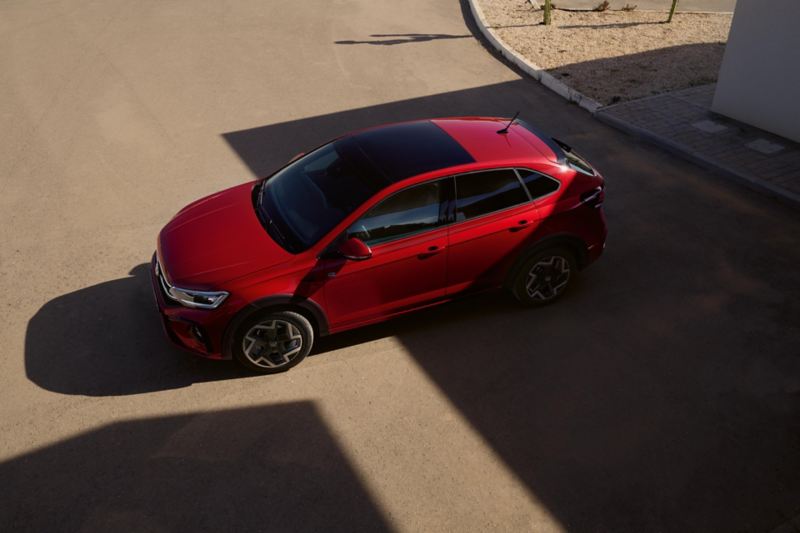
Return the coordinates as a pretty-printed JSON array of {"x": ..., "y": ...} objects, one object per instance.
[{"x": 565, "y": 155}]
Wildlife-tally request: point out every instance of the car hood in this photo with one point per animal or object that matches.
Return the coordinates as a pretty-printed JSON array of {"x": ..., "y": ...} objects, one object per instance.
[{"x": 216, "y": 239}]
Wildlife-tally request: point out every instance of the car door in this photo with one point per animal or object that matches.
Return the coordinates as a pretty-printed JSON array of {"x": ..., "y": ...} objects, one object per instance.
[
  {"x": 494, "y": 219},
  {"x": 408, "y": 238}
]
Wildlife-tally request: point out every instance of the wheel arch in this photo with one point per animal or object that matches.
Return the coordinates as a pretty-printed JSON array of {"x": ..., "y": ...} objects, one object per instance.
[
  {"x": 571, "y": 242},
  {"x": 310, "y": 309}
]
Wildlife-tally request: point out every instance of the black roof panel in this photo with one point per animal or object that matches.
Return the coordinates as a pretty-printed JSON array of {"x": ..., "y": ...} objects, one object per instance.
[{"x": 400, "y": 151}]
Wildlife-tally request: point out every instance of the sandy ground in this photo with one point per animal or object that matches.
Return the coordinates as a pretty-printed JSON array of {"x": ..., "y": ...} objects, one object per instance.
[{"x": 614, "y": 56}]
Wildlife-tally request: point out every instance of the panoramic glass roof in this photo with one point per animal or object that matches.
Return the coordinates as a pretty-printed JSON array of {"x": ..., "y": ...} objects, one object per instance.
[{"x": 400, "y": 151}]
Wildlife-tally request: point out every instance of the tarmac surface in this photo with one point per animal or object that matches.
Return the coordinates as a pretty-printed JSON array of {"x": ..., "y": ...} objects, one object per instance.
[{"x": 661, "y": 394}]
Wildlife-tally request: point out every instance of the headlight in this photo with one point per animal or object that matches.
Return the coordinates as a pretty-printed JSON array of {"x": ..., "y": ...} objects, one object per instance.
[
  {"x": 199, "y": 299},
  {"x": 190, "y": 297}
]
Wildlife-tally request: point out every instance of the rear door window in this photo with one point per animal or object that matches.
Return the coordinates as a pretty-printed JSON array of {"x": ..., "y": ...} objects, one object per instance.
[{"x": 481, "y": 193}]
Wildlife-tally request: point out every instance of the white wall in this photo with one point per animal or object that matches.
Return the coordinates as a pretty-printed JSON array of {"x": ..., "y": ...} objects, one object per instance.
[{"x": 759, "y": 82}]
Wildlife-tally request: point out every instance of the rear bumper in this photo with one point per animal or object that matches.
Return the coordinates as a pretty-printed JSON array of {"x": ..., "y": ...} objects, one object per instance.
[
  {"x": 597, "y": 245},
  {"x": 190, "y": 329}
]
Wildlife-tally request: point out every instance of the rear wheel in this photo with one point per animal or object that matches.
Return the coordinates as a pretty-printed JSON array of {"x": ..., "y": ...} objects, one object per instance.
[
  {"x": 544, "y": 276},
  {"x": 271, "y": 342}
]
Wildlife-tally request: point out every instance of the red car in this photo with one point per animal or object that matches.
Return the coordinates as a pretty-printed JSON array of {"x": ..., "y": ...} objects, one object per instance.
[{"x": 372, "y": 225}]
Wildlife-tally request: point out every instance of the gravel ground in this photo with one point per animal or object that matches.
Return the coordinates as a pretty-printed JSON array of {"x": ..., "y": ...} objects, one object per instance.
[{"x": 614, "y": 56}]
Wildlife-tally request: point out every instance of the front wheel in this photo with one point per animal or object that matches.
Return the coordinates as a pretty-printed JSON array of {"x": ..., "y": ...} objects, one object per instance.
[
  {"x": 272, "y": 342},
  {"x": 544, "y": 276}
]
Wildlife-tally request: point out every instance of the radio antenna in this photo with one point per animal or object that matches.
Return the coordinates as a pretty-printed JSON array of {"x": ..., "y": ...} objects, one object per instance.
[{"x": 505, "y": 130}]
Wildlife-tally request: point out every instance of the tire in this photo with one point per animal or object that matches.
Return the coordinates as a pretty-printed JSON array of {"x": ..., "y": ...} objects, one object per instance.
[
  {"x": 555, "y": 268},
  {"x": 273, "y": 341}
]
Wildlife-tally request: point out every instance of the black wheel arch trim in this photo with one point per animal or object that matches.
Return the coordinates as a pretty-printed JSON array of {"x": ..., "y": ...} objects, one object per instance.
[
  {"x": 570, "y": 241},
  {"x": 279, "y": 302}
]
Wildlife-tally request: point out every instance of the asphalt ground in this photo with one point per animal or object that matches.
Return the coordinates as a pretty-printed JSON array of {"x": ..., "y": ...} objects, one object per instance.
[{"x": 661, "y": 394}]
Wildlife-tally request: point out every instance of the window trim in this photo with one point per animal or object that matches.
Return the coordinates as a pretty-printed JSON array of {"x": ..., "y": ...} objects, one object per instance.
[
  {"x": 447, "y": 202},
  {"x": 517, "y": 169},
  {"x": 443, "y": 221}
]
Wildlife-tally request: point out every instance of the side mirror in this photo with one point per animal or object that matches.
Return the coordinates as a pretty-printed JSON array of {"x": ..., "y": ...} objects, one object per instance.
[
  {"x": 295, "y": 158},
  {"x": 354, "y": 249}
]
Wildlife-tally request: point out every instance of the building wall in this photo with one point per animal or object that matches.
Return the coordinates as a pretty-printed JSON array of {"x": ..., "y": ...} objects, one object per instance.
[{"x": 759, "y": 82}]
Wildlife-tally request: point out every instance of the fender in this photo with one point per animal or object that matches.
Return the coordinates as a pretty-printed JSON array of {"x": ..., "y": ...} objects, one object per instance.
[{"x": 279, "y": 302}]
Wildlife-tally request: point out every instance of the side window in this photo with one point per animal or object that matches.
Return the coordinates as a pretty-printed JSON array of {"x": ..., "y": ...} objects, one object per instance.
[
  {"x": 537, "y": 184},
  {"x": 409, "y": 211},
  {"x": 480, "y": 193}
]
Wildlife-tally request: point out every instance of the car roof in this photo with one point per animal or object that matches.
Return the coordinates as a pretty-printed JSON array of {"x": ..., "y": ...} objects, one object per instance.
[
  {"x": 481, "y": 138},
  {"x": 408, "y": 149}
]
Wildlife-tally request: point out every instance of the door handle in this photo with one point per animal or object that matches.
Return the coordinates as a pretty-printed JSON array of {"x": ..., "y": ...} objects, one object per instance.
[
  {"x": 522, "y": 224},
  {"x": 431, "y": 251}
]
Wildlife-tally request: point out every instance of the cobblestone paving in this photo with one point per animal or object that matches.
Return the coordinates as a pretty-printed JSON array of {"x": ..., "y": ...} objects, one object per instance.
[{"x": 684, "y": 120}]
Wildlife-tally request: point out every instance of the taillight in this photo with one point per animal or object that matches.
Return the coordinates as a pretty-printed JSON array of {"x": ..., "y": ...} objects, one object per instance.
[{"x": 593, "y": 197}]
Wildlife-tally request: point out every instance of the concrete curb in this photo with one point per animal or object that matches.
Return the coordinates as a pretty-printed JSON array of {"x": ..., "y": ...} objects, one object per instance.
[
  {"x": 529, "y": 68},
  {"x": 785, "y": 196}
]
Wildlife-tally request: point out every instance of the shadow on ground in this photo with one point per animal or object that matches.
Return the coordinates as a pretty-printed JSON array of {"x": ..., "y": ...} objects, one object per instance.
[
  {"x": 612, "y": 79},
  {"x": 661, "y": 394},
  {"x": 268, "y": 468},
  {"x": 390, "y": 39},
  {"x": 107, "y": 340}
]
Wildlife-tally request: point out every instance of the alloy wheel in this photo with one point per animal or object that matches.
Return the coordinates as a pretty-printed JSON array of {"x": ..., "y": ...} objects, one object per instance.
[
  {"x": 272, "y": 344},
  {"x": 547, "y": 278}
]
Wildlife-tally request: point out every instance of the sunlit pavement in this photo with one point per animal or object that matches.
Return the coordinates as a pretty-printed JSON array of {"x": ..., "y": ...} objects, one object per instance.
[{"x": 661, "y": 394}]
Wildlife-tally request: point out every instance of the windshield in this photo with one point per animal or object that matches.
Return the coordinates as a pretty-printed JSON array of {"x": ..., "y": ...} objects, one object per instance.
[{"x": 305, "y": 200}]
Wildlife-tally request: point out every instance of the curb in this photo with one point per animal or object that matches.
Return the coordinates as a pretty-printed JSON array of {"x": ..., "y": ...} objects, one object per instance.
[
  {"x": 529, "y": 68},
  {"x": 779, "y": 193}
]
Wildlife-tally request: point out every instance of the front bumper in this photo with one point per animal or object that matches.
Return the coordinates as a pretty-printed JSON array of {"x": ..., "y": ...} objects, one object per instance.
[{"x": 198, "y": 331}]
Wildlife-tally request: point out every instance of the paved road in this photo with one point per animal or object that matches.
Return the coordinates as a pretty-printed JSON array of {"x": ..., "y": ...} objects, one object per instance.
[{"x": 661, "y": 394}]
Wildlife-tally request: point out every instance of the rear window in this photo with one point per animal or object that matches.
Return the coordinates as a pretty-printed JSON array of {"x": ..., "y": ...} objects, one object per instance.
[
  {"x": 480, "y": 193},
  {"x": 538, "y": 185}
]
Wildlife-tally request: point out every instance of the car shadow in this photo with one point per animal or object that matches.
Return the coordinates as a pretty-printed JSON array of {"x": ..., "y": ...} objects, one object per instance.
[
  {"x": 107, "y": 340},
  {"x": 267, "y": 468}
]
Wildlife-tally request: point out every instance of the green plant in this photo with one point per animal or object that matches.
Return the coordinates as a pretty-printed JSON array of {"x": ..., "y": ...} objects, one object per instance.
[
  {"x": 548, "y": 8},
  {"x": 672, "y": 10},
  {"x": 602, "y": 6}
]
